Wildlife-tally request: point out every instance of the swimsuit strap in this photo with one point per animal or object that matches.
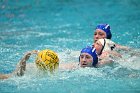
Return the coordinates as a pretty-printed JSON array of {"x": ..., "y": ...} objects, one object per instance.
[{"x": 103, "y": 47}]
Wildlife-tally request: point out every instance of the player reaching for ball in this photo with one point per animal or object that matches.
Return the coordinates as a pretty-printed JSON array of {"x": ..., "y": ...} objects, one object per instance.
[{"x": 46, "y": 60}]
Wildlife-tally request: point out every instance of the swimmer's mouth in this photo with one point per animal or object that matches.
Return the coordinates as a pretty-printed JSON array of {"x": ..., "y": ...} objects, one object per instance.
[{"x": 83, "y": 65}]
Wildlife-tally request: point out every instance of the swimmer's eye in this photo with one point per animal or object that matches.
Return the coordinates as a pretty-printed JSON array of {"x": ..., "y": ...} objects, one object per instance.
[
  {"x": 81, "y": 56},
  {"x": 88, "y": 57},
  {"x": 95, "y": 33},
  {"x": 101, "y": 34}
]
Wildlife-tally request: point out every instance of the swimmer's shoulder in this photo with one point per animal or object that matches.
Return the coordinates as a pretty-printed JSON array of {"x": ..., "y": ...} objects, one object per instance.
[{"x": 68, "y": 66}]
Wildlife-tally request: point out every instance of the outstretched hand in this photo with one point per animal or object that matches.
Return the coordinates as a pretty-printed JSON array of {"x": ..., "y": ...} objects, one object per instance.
[
  {"x": 22, "y": 64},
  {"x": 28, "y": 54}
]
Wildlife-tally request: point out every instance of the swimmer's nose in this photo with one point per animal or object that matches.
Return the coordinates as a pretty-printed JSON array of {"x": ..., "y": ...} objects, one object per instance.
[
  {"x": 96, "y": 36},
  {"x": 83, "y": 60}
]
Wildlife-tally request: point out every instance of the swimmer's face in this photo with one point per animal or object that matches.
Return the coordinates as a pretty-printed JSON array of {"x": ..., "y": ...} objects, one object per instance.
[
  {"x": 86, "y": 60},
  {"x": 98, "y": 46},
  {"x": 99, "y": 34}
]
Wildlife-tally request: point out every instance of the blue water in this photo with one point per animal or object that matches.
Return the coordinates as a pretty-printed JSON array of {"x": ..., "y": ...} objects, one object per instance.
[{"x": 66, "y": 26}]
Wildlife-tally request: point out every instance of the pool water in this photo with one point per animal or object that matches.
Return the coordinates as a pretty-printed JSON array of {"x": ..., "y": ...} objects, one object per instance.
[{"x": 66, "y": 26}]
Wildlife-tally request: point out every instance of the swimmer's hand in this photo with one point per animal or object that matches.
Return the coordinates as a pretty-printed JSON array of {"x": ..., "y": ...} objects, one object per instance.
[
  {"x": 22, "y": 64},
  {"x": 34, "y": 52},
  {"x": 28, "y": 54}
]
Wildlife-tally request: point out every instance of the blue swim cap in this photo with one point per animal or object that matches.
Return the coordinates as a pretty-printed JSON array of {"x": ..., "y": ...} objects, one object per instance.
[
  {"x": 92, "y": 52},
  {"x": 106, "y": 28}
]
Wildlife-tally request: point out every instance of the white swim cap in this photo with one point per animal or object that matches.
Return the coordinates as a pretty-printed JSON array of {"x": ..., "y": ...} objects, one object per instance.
[{"x": 108, "y": 45}]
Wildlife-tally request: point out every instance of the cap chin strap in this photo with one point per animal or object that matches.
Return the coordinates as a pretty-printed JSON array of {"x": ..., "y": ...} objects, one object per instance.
[{"x": 103, "y": 47}]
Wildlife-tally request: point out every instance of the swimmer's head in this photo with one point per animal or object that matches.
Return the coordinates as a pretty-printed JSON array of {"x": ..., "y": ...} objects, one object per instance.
[
  {"x": 106, "y": 29},
  {"x": 47, "y": 60},
  {"x": 104, "y": 45},
  {"x": 88, "y": 55}
]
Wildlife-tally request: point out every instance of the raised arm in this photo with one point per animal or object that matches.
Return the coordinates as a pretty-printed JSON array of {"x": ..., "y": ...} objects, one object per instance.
[{"x": 21, "y": 66}]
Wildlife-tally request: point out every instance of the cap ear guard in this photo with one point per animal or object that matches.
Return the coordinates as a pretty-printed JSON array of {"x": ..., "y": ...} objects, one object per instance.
[{"x": 95, "y": 57}]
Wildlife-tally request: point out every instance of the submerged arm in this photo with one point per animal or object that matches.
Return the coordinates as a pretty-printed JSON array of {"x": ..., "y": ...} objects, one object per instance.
[
  {"x": 122, "y": 47},
  {"x": 103, "y": 62},
  {"x": 108, "y": 57}
]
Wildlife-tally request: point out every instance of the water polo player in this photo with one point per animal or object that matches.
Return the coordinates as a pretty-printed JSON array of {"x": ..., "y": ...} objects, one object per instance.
[
  {"x": 105, "y": 50},
  {"x": 102, "y": 45},
  {"x": 104, "y": 31},
  {"x": 88, "y": 57}
]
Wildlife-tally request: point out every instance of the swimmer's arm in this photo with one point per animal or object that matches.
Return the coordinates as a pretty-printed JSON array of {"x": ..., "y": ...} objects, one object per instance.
[
  {"x": 104, "y": 62},
  {"x": 68, "y": 66},
  {"x": 114, "y": 53},
  {"x": 4, "y": 76},
  {"x": 21, "y": 67},
  {"x": 19, "y": 71},
  {"x": 122, "y": 47}
]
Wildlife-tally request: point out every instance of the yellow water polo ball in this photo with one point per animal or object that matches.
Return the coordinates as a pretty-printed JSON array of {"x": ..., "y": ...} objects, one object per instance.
[{"x": 47, "y": 60}]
